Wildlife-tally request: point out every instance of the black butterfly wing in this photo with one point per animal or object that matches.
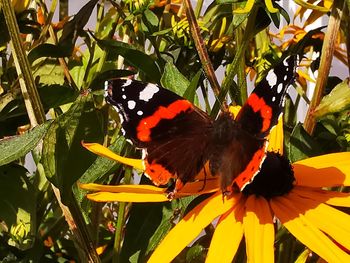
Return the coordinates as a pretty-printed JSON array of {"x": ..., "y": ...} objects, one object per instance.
[
  {"x": 263, "y": 107},
  {"x": 173, "y": 133},
  {"x": 256, "y": 118}
]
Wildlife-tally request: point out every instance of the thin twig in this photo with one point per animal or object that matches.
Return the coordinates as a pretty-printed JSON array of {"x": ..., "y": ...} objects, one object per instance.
[
  {"x": 328, "y": 47},
  {"x": 118, "y": 236},
  {"x": 37, "y": 116},
  {"x": 30, "y": 93},
  {"x": 201, "y": 49}
]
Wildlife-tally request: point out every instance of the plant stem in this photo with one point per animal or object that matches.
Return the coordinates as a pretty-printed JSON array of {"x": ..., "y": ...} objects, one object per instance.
[
  {"x": 102, "y": 59},
  {"x": 325, "y": 64},
  {"x": 118, "y": 237},
  {"x": 241, "y": 77},
  {"x": 228, "y": 81},
  {"x": 198, "y": 9},
  {"x": 30, "y": 94},
  {"x": 201, "y": 49}
]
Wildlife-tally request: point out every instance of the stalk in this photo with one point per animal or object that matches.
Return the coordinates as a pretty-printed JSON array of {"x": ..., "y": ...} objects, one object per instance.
[
  {"x": 118, "y": 237},
  {"x": 201, "y": 49},
  {"x": 328, "y": 47},
  {"x": 37, "y": 116},
  {"x": 30, "y": 93}
]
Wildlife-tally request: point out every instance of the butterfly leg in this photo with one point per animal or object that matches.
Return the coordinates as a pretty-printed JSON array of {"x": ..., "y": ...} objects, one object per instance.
[{"x": 174, "y": 188}]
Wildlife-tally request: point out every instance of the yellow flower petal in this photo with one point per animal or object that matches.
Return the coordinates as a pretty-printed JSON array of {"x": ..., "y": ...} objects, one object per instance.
[
  {"x": 127, "y": 197},
  {"x": 306, "y": 232},
  {"x": 275, "y": 137},
  {"x": 328, "y": 219},
  {"x": 323, "y": 171},
  {"x": 259, "y": 230},
  {"x": 306, "y": 5},
  {"x": 234, "y": 110},
  {"x": 125, "y": 193},
  {"x": 208, "y": 185},
  {"x": 149, "y": 189},
  {"x": 191, "y": 226},
  {"x": 103, "y": 151},
  {"x": 270, "y": 6},
  {"x": 323, "y": 196},
  {"x": 227, "y": 236},
  {"x": 248, "y": 6}
]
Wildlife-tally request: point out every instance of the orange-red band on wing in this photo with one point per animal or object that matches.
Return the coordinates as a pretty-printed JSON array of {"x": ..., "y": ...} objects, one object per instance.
[
  {"x": 169, "y": 112},
  {"x": 157, "y": 173},
  {"x": 259, "y": 104},
  {"x": 252, "y": 168}
]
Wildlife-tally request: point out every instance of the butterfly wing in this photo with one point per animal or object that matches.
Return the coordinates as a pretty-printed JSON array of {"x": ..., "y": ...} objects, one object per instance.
[
  {"x": 263, "y": 107},
  {"x": 173, "y": 133},
  {"x": 259, "y": 115}
]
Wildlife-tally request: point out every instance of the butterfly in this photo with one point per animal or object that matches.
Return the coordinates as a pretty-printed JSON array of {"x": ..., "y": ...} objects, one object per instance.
[{"x": 177, "y": 138}]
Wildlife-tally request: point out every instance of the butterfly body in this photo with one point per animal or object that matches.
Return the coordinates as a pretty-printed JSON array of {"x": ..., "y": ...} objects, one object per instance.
[{"x": 178, "y": 139}]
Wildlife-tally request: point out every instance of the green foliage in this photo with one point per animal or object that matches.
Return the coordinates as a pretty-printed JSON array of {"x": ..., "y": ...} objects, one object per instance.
[{"x": 149, "y": 41}]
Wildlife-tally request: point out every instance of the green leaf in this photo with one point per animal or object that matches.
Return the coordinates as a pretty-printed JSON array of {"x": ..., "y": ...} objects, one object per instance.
[
  {"x": 98, "y": 82},
  {"x": 147, "y": 226},
  {"x": 17, "y": 202},
  {"x": 302, "y": 145},
  {"x": 173, "y": 80},
  {"x": 64, "y": 159},
  {"x": 99, "y": 168},
  {"x": 337, "y": 100},
  {"x": 143, "y": 222},
  {"x": 47, "y": 50},
  {"x": 74, "y": 27},
  {"x": 107, "y": 23},
  {"x": 53, "y": 96},
  {"x": 150, "y": 18},
  {"x": 132, "y": 56},
  {"x": 48, "y": 72},
  {"x": 5, "y": 37},
  {"x": 190, "y": 93},
  {"x": 196, "y": 253},
  {"x": 17, "y": 146}
]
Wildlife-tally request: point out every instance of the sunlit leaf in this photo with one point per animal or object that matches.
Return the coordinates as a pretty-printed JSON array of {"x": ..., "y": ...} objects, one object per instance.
[
  {"x": 337, "y": 100},
  {"x": 64, "y": 159},
  {"x": 302, "y": 145},
  {"x": 132, "y": 56},
  {"x": 17, "y": 146},
  {"x": 17, "y": 202}
]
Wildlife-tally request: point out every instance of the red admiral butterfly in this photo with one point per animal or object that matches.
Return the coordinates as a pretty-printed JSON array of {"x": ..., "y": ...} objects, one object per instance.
[{"x": 178, "y": 138}]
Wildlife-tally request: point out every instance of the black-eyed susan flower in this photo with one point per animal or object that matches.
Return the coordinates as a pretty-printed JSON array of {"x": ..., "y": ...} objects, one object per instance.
[{"x": 281, "y": 194}]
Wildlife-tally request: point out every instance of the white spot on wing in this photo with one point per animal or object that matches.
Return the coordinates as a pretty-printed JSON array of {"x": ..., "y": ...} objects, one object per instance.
[
  {"x": 140, "y": 113},
  {"x": 285, "y": 77},
  {"x": 124, "y": 97},
  {"x": 279, "y": 88},
  {"x": 271, "y": 78},
  {"x": 144, "y": 154},
  {"x": 106, "y": 88},
  {"x": 273, "y": 98},
  {"x": 315, "y": 55},
  {"x": 127, "y": 83},
  {"x": 131, "y": 104},
  {"x": 147, "y": 93},
  {"x": 285, "y": 62}
]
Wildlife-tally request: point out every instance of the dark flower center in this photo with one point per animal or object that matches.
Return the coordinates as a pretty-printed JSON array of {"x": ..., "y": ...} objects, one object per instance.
[{"x": 275, "y": 178}]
